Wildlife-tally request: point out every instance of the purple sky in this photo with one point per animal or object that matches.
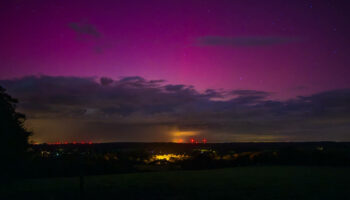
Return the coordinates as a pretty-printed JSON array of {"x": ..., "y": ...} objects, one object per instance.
[
  {"x": 287, "y": 49},
  {"x": 159, "y": 40}
]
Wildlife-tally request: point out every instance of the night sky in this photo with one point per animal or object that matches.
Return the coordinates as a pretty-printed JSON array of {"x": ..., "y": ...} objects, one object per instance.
[{"x": 228, "y": 71}]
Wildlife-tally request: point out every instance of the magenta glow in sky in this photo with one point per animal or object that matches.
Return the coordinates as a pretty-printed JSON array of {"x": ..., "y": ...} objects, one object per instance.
[
  {"x": 162, "y": 40},
  {"x": 154, "y": 70}
]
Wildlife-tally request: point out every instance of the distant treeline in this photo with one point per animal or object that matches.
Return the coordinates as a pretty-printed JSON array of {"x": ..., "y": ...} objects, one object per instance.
[{"x": 78, "y": 159}]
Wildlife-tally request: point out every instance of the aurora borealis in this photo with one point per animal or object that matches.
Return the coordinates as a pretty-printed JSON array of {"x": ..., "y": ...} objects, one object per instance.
[{"x": 154, "y": 70}]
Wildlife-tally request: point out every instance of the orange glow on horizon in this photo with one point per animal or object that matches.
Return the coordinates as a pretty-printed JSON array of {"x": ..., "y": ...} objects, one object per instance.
[{"x": 185, "y": 133}]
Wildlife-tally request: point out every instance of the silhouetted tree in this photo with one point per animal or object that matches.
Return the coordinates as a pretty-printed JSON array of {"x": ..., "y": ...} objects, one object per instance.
[{"x": 13, "y": 135}]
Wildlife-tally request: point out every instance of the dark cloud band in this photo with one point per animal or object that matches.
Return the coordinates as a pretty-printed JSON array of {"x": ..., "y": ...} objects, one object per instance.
[{"x": 132, "y": 103}]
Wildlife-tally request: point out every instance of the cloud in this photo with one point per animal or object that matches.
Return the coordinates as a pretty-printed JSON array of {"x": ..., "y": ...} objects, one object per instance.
[
  {"x": 250, "y": 93},
  {"x": 249, "y": 96},
  {"x": 85, "y": 29},
  {"x": 136, "y": 109},
  {"x": 174, "y": 87},
  {"x": 88, "y": 33},
  {"x": 106, "y": 81},
  {"x": 246, "y": 41}
]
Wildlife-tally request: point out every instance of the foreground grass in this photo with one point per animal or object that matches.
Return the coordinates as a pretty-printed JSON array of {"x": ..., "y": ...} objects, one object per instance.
[{"x": 233, "y": 183}]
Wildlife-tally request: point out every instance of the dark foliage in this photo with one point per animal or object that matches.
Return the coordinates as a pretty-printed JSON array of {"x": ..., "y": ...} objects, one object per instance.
[{"x": 14, "y": 136}]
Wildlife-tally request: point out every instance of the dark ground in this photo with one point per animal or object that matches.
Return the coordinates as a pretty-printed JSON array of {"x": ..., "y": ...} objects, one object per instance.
[{"x": 255, "y": 182}]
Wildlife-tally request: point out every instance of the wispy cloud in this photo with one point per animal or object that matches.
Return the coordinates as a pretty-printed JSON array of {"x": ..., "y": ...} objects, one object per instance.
[
  {"x": 85, "y": 29},
  {"x": 87, "y": 32},
  {"x": 245, "y": 41}
]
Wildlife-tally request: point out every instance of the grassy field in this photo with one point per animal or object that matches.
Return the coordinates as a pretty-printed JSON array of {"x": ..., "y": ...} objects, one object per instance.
[{"x": 233, "y": 183}]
